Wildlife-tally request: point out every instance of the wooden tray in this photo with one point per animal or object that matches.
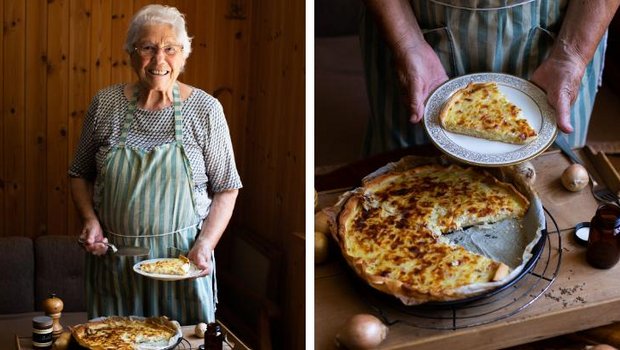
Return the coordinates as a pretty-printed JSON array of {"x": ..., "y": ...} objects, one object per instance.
[{"x": 606, "y": 160}]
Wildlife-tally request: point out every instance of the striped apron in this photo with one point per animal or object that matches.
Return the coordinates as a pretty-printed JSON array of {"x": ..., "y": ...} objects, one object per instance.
[
  {"x": 147, "y": 200},
  {"x": 469, "y": 36}
]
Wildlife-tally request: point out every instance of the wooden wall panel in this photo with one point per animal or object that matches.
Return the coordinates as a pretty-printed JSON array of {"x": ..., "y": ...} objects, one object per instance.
[
  {"x": 100, "y": 45},
  {"x": 36, "y": 117},
  {"x": 14, "y": 115},
  {"x": 121, "y": 67},
  {"x": 80, "y": 13},
  {"x": 58, "y": 89},
  {"x": 3, "y": 229},
  {"x": 276, "y": 164},
  {"x": 275, "y": 153}
]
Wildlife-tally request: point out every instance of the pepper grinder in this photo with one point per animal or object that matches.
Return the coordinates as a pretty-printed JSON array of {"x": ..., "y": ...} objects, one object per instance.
[{"x": 52, "y": 307}]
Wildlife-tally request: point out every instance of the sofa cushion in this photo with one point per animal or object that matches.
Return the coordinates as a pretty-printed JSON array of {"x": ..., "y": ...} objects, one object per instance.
[
  {"x": 60, "y": 271},
  {"x": 17, "y": 276}
]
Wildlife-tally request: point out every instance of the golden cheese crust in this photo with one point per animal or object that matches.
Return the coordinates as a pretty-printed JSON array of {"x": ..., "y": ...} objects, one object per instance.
[
  {"x": 173, "y": 266},
  {"x": 481, "y": 110},
  {"x": 391, "y": 231},
  {"x": 125, "y": 333}
]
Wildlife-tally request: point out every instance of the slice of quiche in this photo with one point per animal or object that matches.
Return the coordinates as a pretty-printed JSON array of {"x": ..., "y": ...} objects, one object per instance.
[
  {"x": 173, "y": 266},
  {"x": 481, "y": 110}
]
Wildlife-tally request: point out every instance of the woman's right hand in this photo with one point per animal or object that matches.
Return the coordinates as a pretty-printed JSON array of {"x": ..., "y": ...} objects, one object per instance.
[
  {"x": 419, "y": 72},
  {"x": 417, "y": 65},
  {"x": 92, "y": 237}
]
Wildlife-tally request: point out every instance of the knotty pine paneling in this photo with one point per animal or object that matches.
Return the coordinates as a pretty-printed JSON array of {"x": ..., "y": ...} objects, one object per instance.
[
  {"x": 100, "y": 45},
  {"x": 3, "y": 226},
  {"x": 80, "y": 20},
  {"x": 13, "y": 115},
  {"x": 275, "y": 164},
  {"x": 58, "y": 92},
  {"x": 56, "y": 54},
  {"x": 36, "y": 110}
]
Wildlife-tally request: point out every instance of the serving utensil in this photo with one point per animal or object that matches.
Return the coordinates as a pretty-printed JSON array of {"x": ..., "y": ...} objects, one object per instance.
[
  {"x": 599, "y": 190},
  {"x": 122, "y": 251}
]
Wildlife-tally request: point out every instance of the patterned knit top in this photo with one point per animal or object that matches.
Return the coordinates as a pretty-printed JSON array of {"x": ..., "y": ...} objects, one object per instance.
[{"x": 206, "y": 140}]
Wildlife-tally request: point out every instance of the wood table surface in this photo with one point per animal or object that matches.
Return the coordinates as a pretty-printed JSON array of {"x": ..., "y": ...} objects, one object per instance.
[
  {"x": 190, "y": 340},
  {"x": 572, "y": 295}
]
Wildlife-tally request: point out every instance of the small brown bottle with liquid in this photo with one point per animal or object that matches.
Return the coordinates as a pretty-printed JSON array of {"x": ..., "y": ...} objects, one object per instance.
[
  {"x": 604, "y": 238},
  {"x": 214, "y": 339}
]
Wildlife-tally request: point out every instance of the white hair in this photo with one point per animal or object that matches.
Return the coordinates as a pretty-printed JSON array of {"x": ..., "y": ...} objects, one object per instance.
[{"x": 158, "y": 14}]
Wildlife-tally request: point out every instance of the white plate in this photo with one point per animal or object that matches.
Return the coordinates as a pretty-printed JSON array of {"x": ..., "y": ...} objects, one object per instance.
[
  {"x": 472, "y": 150},
  {"x": 193, "y": 271}
]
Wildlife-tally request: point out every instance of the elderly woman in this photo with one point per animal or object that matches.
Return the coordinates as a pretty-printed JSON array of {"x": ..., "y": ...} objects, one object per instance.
[{"x": 154, "y": 168}]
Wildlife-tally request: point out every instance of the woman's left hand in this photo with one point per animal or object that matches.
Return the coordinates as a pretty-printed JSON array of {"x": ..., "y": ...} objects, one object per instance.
[
  {"x": 200, "y": 255},
  {"x": 560, "y": 77}
]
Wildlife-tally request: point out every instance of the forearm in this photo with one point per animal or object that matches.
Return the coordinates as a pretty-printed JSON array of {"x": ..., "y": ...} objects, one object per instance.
[
  {"x": 397, "y": 22},
  {"x": 582, "y": 29},
  {"x": 81, "y": 192},
  {"x": 219, "y": 215}
]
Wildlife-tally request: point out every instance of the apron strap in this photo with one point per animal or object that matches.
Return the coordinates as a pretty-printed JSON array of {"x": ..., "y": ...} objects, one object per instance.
[
  {"x": 131, "y": 110},
  {"x": 178, "y": 119}
]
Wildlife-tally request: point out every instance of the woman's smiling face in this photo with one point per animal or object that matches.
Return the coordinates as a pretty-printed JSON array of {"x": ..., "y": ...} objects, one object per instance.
[{"x": 158, "y": 58}]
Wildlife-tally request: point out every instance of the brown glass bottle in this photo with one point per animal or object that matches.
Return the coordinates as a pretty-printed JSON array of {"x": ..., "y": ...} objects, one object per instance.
[
  {"x": 214, "y": 339},
  {"x": 603, "y": 242}
]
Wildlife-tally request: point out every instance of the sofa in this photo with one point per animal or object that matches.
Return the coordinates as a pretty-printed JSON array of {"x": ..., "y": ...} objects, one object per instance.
[{"x": 32, "y": 270}]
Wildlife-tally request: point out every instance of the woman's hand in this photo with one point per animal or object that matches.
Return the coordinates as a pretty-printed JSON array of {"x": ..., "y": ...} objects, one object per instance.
[
  {"x": 418, "y": 67},
  {"x": 200, "y": 255},
  {"x": 92, "y": 237},
  {"x": 560, "y": 74},
  {"x": 212, "y": 229},
  {"x": 419, "y": 72},
  {"x": 560, "y": 77}
]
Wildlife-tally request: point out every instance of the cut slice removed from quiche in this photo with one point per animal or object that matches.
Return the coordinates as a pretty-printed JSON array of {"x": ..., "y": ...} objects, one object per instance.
[{"x": 482, "y": 110}]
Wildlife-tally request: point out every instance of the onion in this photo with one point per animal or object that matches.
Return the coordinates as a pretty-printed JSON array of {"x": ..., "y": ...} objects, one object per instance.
[
  {"x": 316, "y": 199},
  {"x": 200, "y": 330},
  {"x": 321, "y": 222},
  {"x": 321, "y": 247},
  {"x": 575, "y": 177},
  {"x": 527, "y": 171},
  {"x": 62, "y": 342},
  {"x": 601, "y": 347},
  {"x": 362, "y": 331}
]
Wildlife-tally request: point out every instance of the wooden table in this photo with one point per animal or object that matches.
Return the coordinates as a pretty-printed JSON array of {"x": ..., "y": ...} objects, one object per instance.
[
  {"x": 579, "y": 297},
  {"x": 232, "y": 342}
]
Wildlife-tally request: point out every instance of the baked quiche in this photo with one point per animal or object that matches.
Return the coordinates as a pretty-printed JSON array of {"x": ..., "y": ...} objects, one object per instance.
[
  {"x": 127, "y": 333},
  {"x": 481, "y": 110},
  {"x": 393, "y": 230},
  {"x": 173, "y": 266}
]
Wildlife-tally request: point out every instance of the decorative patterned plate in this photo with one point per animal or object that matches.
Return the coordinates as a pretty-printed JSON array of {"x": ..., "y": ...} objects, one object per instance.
[{"x": 476, "y": 151}]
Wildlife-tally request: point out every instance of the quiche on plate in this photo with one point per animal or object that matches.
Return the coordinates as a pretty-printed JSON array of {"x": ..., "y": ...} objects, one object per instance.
[{"x": 481, "y": 110}]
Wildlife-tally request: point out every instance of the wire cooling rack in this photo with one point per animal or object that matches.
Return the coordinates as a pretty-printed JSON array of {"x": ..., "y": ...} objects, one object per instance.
[{"x": 498, "y": 306}]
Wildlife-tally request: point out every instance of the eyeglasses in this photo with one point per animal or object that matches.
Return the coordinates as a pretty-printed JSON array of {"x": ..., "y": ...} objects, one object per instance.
[{"x": 148, "y": 50}]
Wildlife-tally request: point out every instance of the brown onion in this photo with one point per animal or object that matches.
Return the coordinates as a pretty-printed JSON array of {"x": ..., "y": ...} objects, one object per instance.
[
  {"x": 601, "y": 347},
  {"x": 575, "y": 177},
  {"x": 321, "y": 222},
  {"x": 527, "y": 171},
  {"x": 321, "y": 247},
  {"x": 62, "y": 342},
  {"x": 200, "y": 329},
  {"x": 362, "y": 331}
]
